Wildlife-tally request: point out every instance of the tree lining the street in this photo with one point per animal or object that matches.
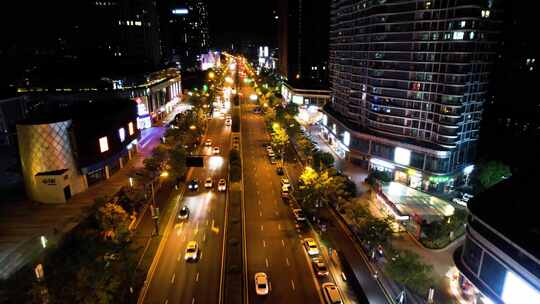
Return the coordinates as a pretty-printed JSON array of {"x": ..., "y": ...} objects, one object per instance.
[
  {"x": 407, "y": 268},
  {"x": 492, "y": 172}
]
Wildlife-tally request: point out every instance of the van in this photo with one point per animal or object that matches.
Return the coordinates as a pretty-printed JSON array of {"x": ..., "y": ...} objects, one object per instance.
[{"x": 331, "y": 293}]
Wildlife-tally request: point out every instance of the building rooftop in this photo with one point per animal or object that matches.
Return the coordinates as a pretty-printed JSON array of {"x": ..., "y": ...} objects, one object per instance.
[
  {"x": 307, "y": 84},
  {"x": 100, "y": 109},
  {"x": 510, "y": 207}
]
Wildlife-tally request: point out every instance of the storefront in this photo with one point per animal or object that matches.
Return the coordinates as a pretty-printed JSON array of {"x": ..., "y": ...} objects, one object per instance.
[
  {"x": 144, "y": 120},
  {"x": 334, "y": 143}
]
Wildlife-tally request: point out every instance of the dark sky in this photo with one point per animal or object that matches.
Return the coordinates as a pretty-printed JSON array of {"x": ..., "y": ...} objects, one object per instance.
[{"x": 240, "y": 20}]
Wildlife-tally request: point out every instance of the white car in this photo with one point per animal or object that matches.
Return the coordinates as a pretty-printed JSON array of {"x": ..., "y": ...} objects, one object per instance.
[
  {"x": 285, "y": 182},
  {"x": 222, "y": 185},
  {"x": 228, "y": 122},
  {"x": 271, "y": 154},
  {"x": 208, "y": 183},
  {"x": 216, "y": 150},
  {"x": 269, "y": 149},
  {"x": 208, "y": 143},
  {"x": 311, "y": 246},
  {"x": 192, "y": 251},
  {"x": 261, "y": 284}
]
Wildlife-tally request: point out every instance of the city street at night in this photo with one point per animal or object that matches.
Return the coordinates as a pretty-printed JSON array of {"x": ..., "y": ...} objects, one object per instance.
[{"x": 274, "y": 151}]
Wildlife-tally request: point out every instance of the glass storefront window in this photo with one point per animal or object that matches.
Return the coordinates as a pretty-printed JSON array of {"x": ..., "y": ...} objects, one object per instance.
[{"x": 472, "y": 254}]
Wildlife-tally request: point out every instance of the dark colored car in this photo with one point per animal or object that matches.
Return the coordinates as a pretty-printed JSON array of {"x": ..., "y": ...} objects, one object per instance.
[
  {"x": 193, "y": 185},
  {"x": 279, "y": 170},
  {"x": 183, "y": 213}
]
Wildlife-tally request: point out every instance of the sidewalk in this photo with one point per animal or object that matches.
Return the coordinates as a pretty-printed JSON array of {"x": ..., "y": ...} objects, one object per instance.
[
  {"x": 23, "y": 224},
  {"x": 440, "y": 259}
]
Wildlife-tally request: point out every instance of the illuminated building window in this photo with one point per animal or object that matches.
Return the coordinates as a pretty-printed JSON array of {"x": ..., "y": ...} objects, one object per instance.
[
  {"x": 130, "y": 128},
  {"x": 122, "y": 134},
  {"x": 458, "y": 35},
  {"x": 103, "y": 144},
  {"x": 485, "y": 13}
]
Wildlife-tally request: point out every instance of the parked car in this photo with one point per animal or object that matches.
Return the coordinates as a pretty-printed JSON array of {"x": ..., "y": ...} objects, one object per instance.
[
  {"x": 215, "y": 150},
  {"x": 320, "y": 267},
  {"x": 284, "y": 192},
  {"x": 299, "y": 214},
  {"x": 279, "y": 170},
  {"x": 311, "y": 246},
  {"x": 331, "y": 293},
  {"x": 208, "y": 143}
]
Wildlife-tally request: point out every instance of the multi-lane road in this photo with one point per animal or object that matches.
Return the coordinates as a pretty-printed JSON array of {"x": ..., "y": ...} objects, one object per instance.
[
  {"x": 273, "y": 240},
  {"x": 274, "y": 244},
  {"x": 172, "y": 279}
]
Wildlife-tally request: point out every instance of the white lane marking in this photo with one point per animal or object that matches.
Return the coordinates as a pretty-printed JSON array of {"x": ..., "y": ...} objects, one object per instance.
[
  {"x": 204, "y": 237},
  {"x": 283, "y": 243},
  {"x": 292, "y": 284},
  {"x": 259, "y": 202},
  {"x": 264, "y": 243},
  {"x": 200, "y": 257},
  {"x": 258, "y": 193},
  {"x": 166, "y": 301},
  {"x": 197, "y": 277},
  {"x": 172, "y": 279},
  {"x": 279, "y": 226},
  {"x": 260, "y": 213},
  {"x": 262, "y": 228},
  {"x": 206, "y": 222},
  {"x": 287, "y": 261},
  {"x": 266, "y": 262},
  {"x": 277, "y": 213},
  {"x": 179, "y": 256},
  {"x": 193, "y": 301}
]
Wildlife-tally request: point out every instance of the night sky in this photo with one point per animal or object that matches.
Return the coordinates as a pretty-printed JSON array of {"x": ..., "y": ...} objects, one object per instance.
[{"x": 242, "y": 20}]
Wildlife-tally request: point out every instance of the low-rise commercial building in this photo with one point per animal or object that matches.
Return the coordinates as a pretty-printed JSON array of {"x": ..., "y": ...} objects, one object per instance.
[
  {"x": 500, "y": 259},
  {"x": 65, "y": 150}
]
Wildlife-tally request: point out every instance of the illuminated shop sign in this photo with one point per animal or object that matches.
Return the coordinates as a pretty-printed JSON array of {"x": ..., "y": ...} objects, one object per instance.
[{"x": 402, "y": 156}]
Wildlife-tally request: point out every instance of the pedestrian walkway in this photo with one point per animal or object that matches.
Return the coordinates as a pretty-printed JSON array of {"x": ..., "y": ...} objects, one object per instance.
[
  {"x": 23, "y": 224},
  {"x": 441, "y": 260}
]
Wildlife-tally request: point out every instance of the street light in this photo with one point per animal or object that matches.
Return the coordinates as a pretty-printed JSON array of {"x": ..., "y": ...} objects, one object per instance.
[
  {"x": 211, "y": 75},
  {"x": 192, "y": 127},
  {"x": 164, "y": 174}
]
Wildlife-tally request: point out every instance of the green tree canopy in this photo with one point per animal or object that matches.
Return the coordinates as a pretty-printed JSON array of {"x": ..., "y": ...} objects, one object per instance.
[
  {"x": 113, "y": 220},
  {"x": 177, "y": 160},
  {"x": 492, "y": 172},
  {"x": 408, "y": 269}
]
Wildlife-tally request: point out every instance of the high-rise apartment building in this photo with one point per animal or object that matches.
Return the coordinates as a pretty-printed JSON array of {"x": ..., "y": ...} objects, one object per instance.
[
  {"x": 512, "y": 114},
  {"x": 302, "y": 40},
  {"x": 408, "y": 83},
  {"x": 184, "y": 31}
]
